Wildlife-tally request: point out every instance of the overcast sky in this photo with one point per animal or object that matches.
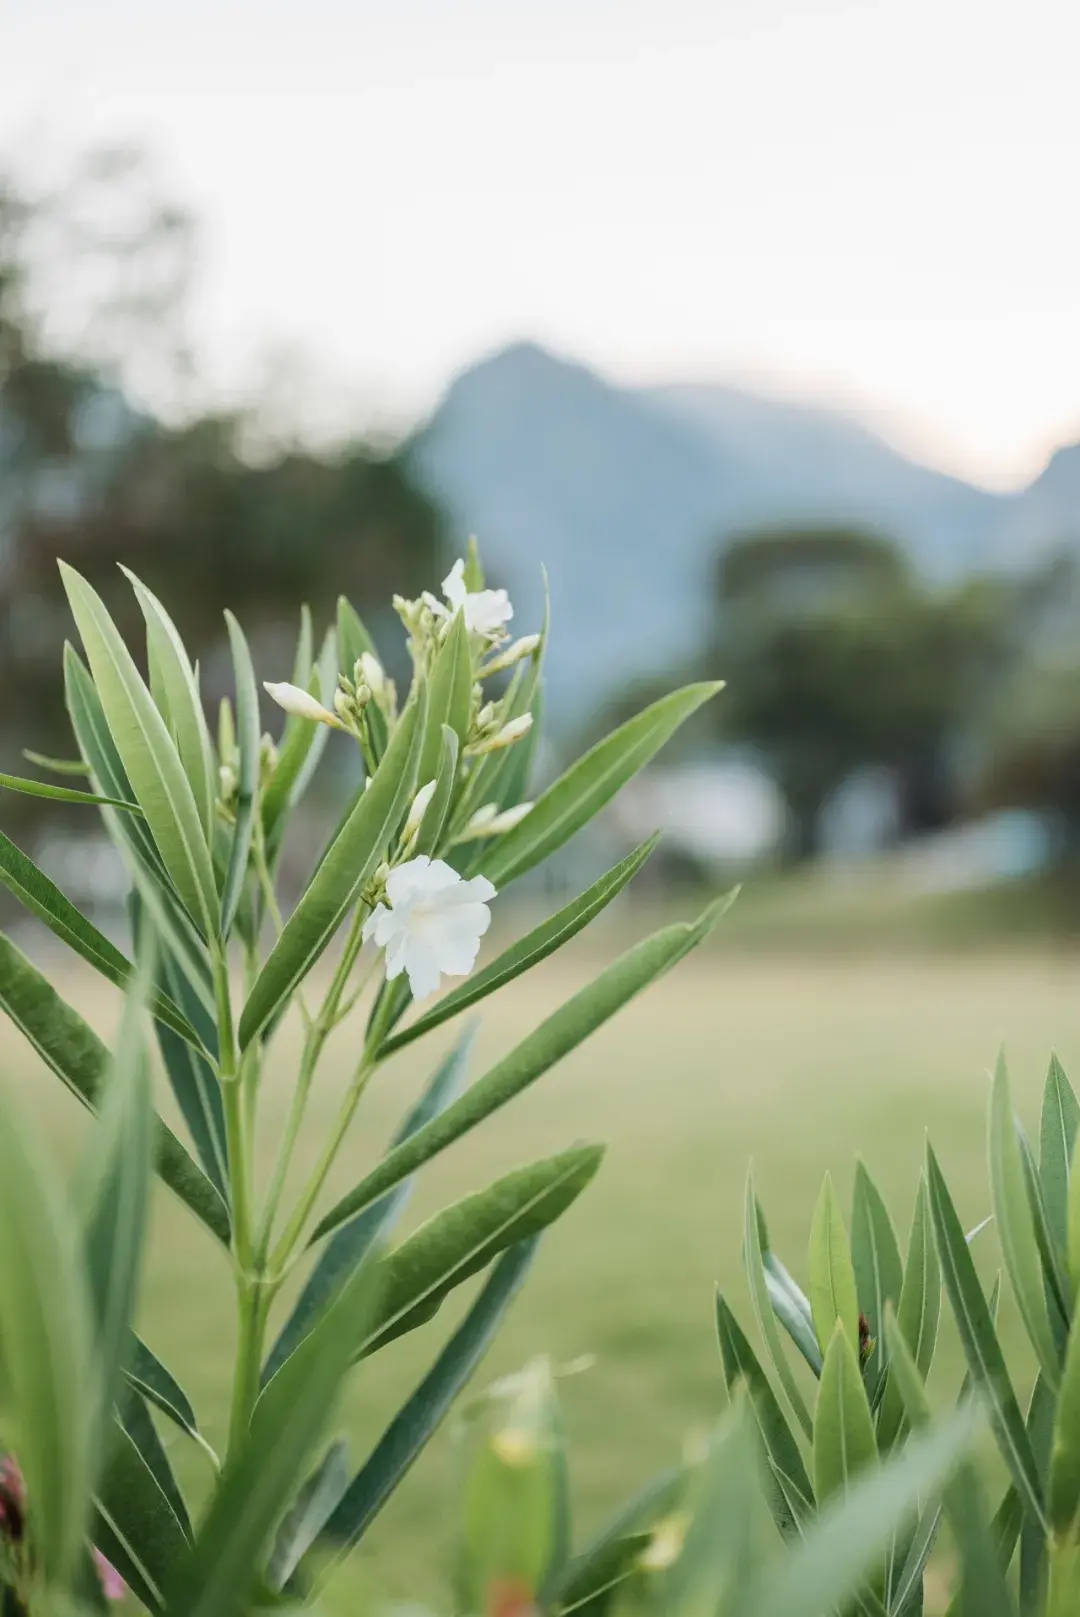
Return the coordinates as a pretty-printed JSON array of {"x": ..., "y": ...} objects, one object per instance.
[{"x": 870, "y": 201}]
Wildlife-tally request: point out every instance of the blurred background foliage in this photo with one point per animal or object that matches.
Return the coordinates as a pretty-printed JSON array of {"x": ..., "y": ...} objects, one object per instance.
[{"x": 879, "y": 703}]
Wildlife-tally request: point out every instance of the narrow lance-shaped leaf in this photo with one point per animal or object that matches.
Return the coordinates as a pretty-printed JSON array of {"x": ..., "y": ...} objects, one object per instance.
[
  {"x": 117, "y": 1198},
  {"x": 763, "y": 1311},
  {"x": 1057, "y": 1135},
  {"x": 345, "y": 870},
  {"x": 853, "y": 1533},
  {"x": 64, "y": 794},
  {"x": 415, "y": 1422},
  {"x": 44, "y": 899},
  {"x": 590, "y": 783},
  {"x": 844, "y": 1442},
  {"x": 879, "y": 1269},
  {"x": 918, "y": 1312},
  {"x": 794, "y": 1501},
  {"x": 247, "y": 736},
  {"x": 247, "y": 1504},
  {"x": 433, "y": 824},
  {"x": 450, "y": 687},
  {"x": 352, "y": 1243},
  {"x": 77, "y": 1056},
  {"x": 552, "y": 1040},
  {"x": 1051, "y": 1254},
  {"x": 184, "y": 711},
  {"x": 45, "y": 1331},
  {"x": 979, "y": 1340},
  {"x": 148, "y": 753},
  {"x": 1016, "y": 1225},
  {"x": 302, "y": 740},
  {"x": 1064, "y": 1487},
  {"x": 134, "y": 1416},
  {"x": 136, "y": 1525},
  {"x": 309, "y": 1514},
  {"x": 832, "y": 1278},
  {"x": 535, "y": 946},
  {"x": 464, "y": 1238},
  {"x": 148, "y": 1376}
]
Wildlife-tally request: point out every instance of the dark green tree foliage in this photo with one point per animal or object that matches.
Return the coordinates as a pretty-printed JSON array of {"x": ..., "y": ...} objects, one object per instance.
[
  {"x": 837, "y": 656},
  {"x": 86, "y": 475}
]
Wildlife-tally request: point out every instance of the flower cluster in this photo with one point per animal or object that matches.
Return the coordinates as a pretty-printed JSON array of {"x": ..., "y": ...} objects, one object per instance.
[{"x": 424, "y": 915}]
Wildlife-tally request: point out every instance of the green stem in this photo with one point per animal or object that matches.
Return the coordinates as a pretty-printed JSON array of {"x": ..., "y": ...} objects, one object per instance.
[
  {"x": 253, "y": 1302},
  {"x": 318, "y": 1032}
]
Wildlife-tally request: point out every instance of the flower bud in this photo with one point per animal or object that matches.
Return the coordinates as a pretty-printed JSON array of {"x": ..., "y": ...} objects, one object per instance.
[
  {"x": 418, "y": 809},
  {"x": 665, "y": 1545},
  {"x": 345, "y": 708},
  {"x": 514, "y": 653},
  {"x": 510, "y": 732},
  {"x": 369, "y": 671},
  {"x": 302, "y": 704}
]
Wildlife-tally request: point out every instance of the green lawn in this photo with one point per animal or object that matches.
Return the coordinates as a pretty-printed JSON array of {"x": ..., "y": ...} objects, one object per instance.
[{"x": 799, "y": 1063}]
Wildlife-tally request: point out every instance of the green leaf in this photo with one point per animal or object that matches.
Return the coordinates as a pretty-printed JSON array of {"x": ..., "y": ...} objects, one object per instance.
[
  {"x": 844, "y": 1442},
  {"x": 117, "y": 1198},
  {"x": 832, "y": 1278},
  {"x": 247, "y": 735},
  {"x": 853, "y": 1532},
  {"x": 789, "y": 1304},
  {"x": 135, "y": 1524},
  {"x": 416, "y": 1421},
  {"x": 724, "y": 1539},
  {"x": 433, "y": 824},
  {"x": 302, "y": 740},
  {"x": 146, "y": 1373},
  {"x": 1040, "y": 1429},
  {"x": 148, "y": 754},
  {"x": 450, "y": 687},
  {"x": 45, "y": 1331},
  {"x": 309, "y": 1514},
  {"x": 961, "y": 1496},
  {"x": 1051, "y": 1255},
  {"x": 463, "y": 1239},
  {"x": 63, "y": 794},
  {"x": 613, "y": 1553},
  {"x": 553, "y": 1039},
  {"x": 104, "y": 763},
  {"x": 879, "y": 1268},
  {"x": 183, "y": 711},
  {"x": 137, "y": 1422},
  {"x": 794, "y": 1502},
  {"x": 917, "y": 1315},
  {"x": 763, "y": 1310},
  {"x": 353, "y": 1242},
  {"x": 44, "y": 899},
  {"x": 590, "y": 783},
  {"x": 59, "y": 766},
  {"x": 979, "y": 1340},
  {"x": 1057, "y": 1136},
  {"x": 535, "y": 946},
  {"x": 345, "y": 870},
  {"x": 353, "y": 638},
  {"x": 194, "y": 1083},
  {"x": 1064, "y": 1488},
  {"x": 246, "y": 1507},
  {"x": 1016, "y": 1226},
  {"x": 77, "y": 1056}
]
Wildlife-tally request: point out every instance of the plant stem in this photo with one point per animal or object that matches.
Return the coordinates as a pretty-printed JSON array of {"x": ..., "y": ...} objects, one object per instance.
[
  {"x": 252, "y": 1307},
  {"x": 318, "y": 1032}
]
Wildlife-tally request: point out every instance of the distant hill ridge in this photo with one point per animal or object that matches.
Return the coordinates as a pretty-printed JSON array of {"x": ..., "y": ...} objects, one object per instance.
[{"x": 627, "y": 494}]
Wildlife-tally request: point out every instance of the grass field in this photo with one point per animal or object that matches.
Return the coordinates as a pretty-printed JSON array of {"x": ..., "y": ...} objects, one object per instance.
[{"x": 798, "y": 1063}]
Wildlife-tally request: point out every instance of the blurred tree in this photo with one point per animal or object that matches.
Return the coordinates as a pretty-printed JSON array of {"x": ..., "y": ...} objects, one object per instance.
[
  {"x": 836, "y": 656},
  {"x": 92, "y": 282}
]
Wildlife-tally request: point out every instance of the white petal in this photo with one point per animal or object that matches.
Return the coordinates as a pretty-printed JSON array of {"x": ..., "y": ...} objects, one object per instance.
[
  {"x": 417, "y": 879},
  {"x": 371, "y": 925},
  {"x": 423, "y": 968},
  {"x": 419, "y": 807},
  {"x": 453, "y": 585}
]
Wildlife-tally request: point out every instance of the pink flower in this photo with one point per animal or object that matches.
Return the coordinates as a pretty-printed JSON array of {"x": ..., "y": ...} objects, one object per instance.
[{"x": 113, "y": 1586}]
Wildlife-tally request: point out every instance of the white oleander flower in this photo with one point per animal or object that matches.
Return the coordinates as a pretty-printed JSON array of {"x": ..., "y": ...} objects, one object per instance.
[
  {"x": 433, "y": 925},
  {"x": 302, "y": 703},
  {"x": 487, "y": 612}
]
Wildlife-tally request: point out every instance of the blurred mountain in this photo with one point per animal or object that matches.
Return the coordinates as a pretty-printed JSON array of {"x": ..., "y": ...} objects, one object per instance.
[{"x": 626, "y": 495}]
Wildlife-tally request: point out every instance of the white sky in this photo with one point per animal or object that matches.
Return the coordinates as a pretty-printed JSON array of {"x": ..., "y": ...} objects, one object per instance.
[{"x": 871, "y": 201}]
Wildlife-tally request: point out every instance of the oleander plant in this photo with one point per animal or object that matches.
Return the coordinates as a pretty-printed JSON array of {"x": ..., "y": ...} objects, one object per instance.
[
  {"x": 835, "y": 1451},
  {"x": 439, "y": 826}
]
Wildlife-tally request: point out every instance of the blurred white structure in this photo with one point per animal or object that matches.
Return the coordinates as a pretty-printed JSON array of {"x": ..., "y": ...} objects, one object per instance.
[{"x": 722, "y": 812}]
